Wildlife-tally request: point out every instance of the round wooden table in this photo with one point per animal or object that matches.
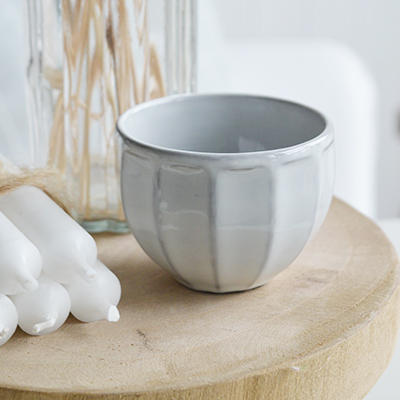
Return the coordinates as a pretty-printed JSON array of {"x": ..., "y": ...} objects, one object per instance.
[{"x": 325, "y": 328}]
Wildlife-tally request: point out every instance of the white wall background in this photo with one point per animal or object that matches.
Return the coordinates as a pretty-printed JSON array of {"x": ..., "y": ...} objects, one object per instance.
[{"x": 370, "y": 27}]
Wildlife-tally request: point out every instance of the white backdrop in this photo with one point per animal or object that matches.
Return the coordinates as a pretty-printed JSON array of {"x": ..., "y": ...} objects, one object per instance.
[{"x": 370, "y": 27}]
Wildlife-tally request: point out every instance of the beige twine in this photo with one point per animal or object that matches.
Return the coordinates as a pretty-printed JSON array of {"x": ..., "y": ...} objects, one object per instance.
[{"x": 47, "y": 179}]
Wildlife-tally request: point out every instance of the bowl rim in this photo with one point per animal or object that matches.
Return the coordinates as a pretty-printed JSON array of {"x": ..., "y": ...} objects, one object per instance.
[{"x": 128, "y": 139}]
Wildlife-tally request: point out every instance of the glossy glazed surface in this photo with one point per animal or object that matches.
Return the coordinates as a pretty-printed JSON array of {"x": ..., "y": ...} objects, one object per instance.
[{"x": 224, "y": 191}]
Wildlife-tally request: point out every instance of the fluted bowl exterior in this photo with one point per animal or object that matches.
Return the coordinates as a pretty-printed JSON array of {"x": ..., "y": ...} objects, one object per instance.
[{"x": 226, "y": 222}]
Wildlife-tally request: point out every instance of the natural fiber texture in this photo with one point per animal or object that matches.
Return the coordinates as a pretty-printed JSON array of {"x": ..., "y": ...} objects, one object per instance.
[
  {"x": 48, "y": 179},
  {"x": 109, "y": 67}
]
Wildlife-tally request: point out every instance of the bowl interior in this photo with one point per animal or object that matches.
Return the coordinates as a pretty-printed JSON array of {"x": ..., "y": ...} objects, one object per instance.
[{"x": 222, "y": 123}]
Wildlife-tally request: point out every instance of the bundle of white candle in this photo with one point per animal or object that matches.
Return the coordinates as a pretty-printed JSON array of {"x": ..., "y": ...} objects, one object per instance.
[{"x": 49, "y": 268}]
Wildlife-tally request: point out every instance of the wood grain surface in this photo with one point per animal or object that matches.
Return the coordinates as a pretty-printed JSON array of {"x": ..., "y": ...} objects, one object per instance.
[{"x": 325, "y": 328}]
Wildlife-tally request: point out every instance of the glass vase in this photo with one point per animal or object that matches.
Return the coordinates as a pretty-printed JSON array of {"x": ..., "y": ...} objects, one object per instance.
[{"x": 90, "y": 60}]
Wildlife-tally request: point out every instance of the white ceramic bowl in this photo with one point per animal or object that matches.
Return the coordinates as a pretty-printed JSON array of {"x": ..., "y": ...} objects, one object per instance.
[{"x": 224, "y": 191}]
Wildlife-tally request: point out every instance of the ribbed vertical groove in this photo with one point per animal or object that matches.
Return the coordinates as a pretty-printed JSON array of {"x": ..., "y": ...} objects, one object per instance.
[
  {"x": 213, "y": 227},
  {"x": 171, "y": 46},
  {"x": 319, "y": 198},
  {"x": 322, "y": 190},
  {"x": 294, "y": 188},
  {"x": 180, "y": 45},
  {"x": 271, "y": 205},
  {"x": 317, "y": 166},
  {"x": 157, "y": 221},
  {"x": 190, "y": 45}
]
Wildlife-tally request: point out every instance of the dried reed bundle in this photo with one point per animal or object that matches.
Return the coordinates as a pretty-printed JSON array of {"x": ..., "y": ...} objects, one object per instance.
[{"x": 100, "y": 82}]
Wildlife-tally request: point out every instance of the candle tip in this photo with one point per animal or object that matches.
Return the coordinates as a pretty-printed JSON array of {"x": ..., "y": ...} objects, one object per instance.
[
  {"x": 47, "y": 323},
  {"x": 113, "y": 314},
  {"x": 30, "y": 285},
  {"x": 3, "y": 331},
  {"x": 87, "y": 273},
  {"x": 27, "y": 281}
]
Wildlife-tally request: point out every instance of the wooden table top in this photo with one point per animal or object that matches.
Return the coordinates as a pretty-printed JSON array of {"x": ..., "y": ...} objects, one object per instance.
[{"x": 325, "y": 328}]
